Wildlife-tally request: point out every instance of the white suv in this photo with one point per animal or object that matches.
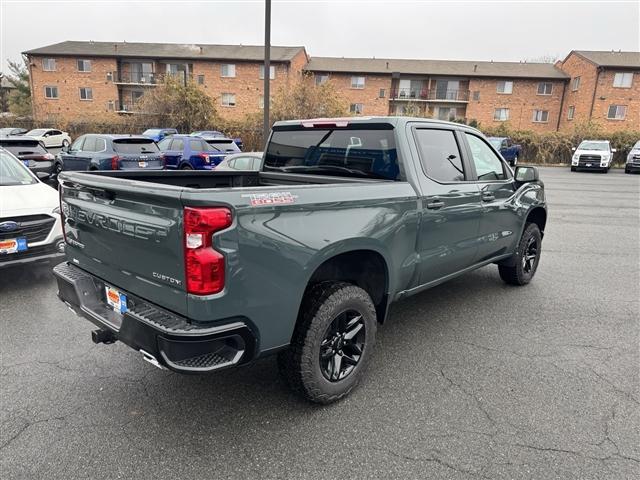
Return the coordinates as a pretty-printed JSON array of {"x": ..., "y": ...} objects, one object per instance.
[
  {"x": 30, "y": 227},
  {"x": 593, "y": 155}
]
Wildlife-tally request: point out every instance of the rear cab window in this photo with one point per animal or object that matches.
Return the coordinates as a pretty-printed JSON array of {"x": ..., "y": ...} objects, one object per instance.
[
  {"x": 135, "y": 145},
  {"x": 352, "y": 152}
]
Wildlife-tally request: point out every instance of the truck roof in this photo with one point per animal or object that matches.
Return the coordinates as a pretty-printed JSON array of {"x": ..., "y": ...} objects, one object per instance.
[{"x": 344, "y": 121}]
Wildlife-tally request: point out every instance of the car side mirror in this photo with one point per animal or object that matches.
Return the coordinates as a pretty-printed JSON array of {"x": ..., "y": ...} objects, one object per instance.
[
  {"x": 614, "y": 150},
  {"x": 526, "y": 175}
]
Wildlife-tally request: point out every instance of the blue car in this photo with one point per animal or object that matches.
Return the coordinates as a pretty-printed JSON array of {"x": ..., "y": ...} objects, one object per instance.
[
  {"x": 158, "y": 134},
  {"x": 210, "y": 134},
  {"x": 186, "y": 152}
]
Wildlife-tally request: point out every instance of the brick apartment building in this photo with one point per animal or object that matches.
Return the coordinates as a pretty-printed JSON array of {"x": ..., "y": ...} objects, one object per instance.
[
  {"x": 604, "y": 87},
  {"x": 71, "y": 80},
  {"x": 98, "y": 79}
]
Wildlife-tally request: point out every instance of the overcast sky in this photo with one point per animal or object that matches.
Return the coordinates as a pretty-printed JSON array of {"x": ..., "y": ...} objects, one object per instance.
[{"x": 477, "y": 30}]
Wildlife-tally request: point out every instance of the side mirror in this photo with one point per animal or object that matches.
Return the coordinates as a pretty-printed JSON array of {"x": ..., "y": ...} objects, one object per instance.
[
  {"x": 526, "y": 175},
  {"x": 573, "y": 149},
  {"x": 614, "y": 150}
]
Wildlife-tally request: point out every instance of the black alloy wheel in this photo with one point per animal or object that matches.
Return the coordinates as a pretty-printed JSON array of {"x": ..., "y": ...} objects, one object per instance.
[{"x": 342, "y": 345}]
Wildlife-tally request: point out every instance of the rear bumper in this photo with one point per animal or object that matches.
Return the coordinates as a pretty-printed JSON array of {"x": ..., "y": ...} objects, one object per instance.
[{"x": 164, "y": 338}]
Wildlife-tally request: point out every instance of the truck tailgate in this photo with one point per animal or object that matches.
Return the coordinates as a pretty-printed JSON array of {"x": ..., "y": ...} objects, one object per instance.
[{"x": 128, "y": 233}]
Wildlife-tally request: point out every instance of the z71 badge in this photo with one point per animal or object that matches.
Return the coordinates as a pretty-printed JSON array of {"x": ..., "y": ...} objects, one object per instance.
[{"x": 271, "y": 198}]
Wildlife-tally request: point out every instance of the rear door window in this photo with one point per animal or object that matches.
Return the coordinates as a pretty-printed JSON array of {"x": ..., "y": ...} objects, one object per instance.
[
  {"x": 440, "y": 155},
  {"x": 197, "y": 145},
  {"x": 135, "y": 146},
  {"x": 177, "y": 144}
]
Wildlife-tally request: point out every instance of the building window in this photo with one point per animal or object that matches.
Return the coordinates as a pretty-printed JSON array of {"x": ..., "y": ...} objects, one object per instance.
[
  {"x": 261, "y": 102},
  {"x": 84, "y": 65},
  {"x": 617, "y": 112},
  {"x": 228, "y": 99},
  {"x": 501, "y": 114},
  {"x": 571, "y": 112},
  {"x": 200, "y": 79},
  {"x": 540, "y": 116},
  {"x": 356, "y": 108},
  {"x": 228, "y": 70},
  {"x": 545, "y": 88},
  {"x": 476, "y": 96},
  {"x": 321, "y": 78},
  {"x": 272, "y": 72},
  {"x": 86, "y": 93},
  {"x": 357, "y": 82},
  {"x": 381, "y": 93},
  {"x": 111, "y": 105},
  {"x": 575, "y": 83},
  {"x": 623, "y": 79},
  {"x": 505, "y": 87},
  {"x": 50, "y": 92},
  {"x": 49, "y": 64}
]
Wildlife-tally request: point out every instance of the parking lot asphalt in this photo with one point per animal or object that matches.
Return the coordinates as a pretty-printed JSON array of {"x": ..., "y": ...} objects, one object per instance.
[{"x": 471, "y": 379}]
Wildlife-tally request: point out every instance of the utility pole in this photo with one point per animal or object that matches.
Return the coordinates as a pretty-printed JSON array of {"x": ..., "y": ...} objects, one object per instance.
[{"x": 267, "y": 69}]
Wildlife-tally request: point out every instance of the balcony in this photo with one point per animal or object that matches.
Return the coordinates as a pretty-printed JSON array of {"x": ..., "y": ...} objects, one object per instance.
[
  {"x": 434, "y": 95},
  {"x": 137, "y": 78},
  {"x": 127, "y": 107}
]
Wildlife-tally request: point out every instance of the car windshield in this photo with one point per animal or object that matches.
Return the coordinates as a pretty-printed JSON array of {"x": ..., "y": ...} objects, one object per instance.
[
  {"x": 342, "y": 152},
  {"x": 601, "y": 146},
  {"x": 13, "y": 171},
  {"x": 496, "y": 142},
  {"x": 222, "y": 145},
  {"x": 135, "y": 145},
  {"x": 37, "y": 132},
  {"x": 151, "y": 131}
]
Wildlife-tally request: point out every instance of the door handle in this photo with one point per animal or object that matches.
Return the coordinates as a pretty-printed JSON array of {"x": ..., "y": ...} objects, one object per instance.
[
  {"x": 488, "y": 197},
  {"x": 435, "y": 204}
]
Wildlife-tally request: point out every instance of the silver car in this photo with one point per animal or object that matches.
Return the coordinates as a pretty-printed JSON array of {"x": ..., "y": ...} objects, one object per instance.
[{"x": 247, "y": 161}]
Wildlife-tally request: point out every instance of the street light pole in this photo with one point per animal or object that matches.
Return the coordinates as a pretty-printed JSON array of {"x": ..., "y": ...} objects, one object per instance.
[{"x": 267, "y": 69}]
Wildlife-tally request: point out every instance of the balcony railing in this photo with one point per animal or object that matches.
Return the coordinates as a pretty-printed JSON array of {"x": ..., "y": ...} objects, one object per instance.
[
  {"x": 138, "y": 78},
  {"x": 424, "y": 94}
]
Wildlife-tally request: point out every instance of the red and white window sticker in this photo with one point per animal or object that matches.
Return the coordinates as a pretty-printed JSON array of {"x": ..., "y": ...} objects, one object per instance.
[{"x": 271, "y": 198}]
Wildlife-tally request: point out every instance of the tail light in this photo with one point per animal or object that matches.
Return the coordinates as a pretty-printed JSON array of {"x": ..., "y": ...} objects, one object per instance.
[
  {"x": 204, "y": 266},
  {"x": 204, "y": 157},
  {"x": 115, "y": 162}
]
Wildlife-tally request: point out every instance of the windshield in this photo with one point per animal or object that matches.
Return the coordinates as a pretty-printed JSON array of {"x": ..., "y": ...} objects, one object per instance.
[
  {"x": 136, "y": 145},
  {"x": 601, "y": 146},
  {"x": 342, "y": 152},
  {"x": 495, "y": 142},
  {"x": 223, "y": 145},
  {"x": 151, "y": 131},
  {"x": 13, "y": 171},
  {"x": 36, "y": 133}
]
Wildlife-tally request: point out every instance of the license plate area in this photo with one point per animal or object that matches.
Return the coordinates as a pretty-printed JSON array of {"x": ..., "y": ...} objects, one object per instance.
[
  {"x": 142, "y": 164},
  {"x": 116, "y": 299},
  {"x": 13, "y": 245}
]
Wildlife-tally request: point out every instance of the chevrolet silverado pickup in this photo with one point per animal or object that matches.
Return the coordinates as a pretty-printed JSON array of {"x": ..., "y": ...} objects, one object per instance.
[{"x": 200, "y": 271}]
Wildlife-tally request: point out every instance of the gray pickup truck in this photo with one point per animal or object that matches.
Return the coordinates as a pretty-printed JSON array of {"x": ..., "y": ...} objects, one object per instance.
[{"x": 200, "y": 271}]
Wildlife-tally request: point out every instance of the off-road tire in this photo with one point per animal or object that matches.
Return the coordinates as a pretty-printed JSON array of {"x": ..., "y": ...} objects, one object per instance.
[
  {"x": 300, "y": 363},
  {"x": 517, "y": 273}
]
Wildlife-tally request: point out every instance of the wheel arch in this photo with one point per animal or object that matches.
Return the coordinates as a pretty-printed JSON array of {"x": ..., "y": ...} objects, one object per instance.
[
  {"x": 538, "y": 215},
  {"x": 367, "y": 267}
]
